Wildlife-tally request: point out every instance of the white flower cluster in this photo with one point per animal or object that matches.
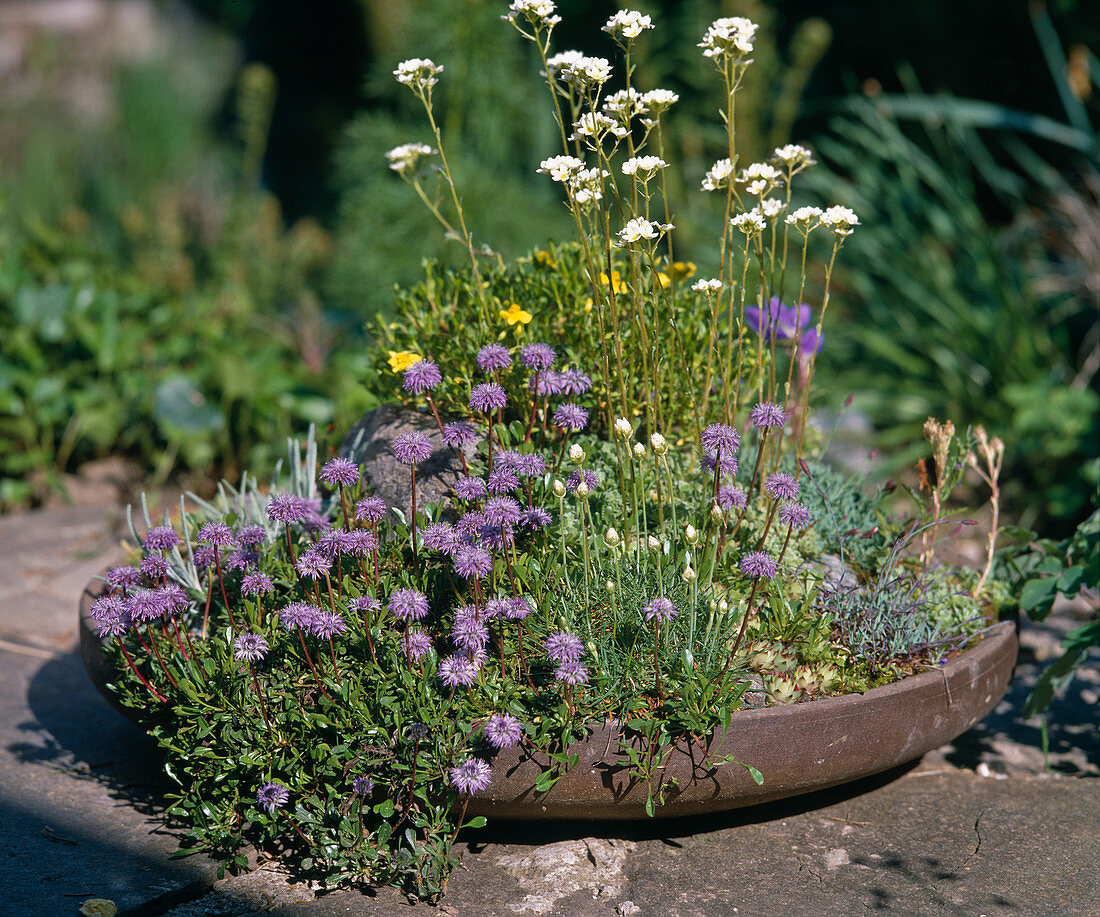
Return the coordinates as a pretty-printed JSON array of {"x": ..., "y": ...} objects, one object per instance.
[
  {"x": 587, "y": 72},
  {"x": 645, "y": 167},
  {"x": 587, "y": 185},
  {"x": 623, "y": 428},
  {"x": 561, "y": 61},
  {"x": 731, "y": 35},
  {"x": 659, "y": 100},
  {"x": 640, "y": 228},
  {"x": 594, "y": 124},
  {"x": 561, "y": 168},
  {"x": 760, "y": 178},
  {"x": 794, "y": 157},
  {"x": 750, "y": 222},
  {"x": 840, "y": 220},
  {"x": 417, "y": 73},
  {"x": 624, "y": 105},
  {"x": 627, "y": 25},
  {"x": 718, "y": 176},
  {"x": 405, "y": 158},
  {"x": 770, "y": 207},
  {"x": 804, "y": 218},
  {"x": 537, "y": 12},
  {"x": 707, "y": 286}
]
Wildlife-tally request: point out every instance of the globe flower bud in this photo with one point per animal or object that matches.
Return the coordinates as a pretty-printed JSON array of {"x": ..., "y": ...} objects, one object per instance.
[
  {"x": 717, "y": 513},
  {"x": 723, "y": 605},
  {"x": 582, "y": 490},
  {"x": 612, "y": 538},
  {"x": 609, "y": 585},
  {"x": 576, "y": 454},
  {"x": 623, "y": 427},
  {"x": 559, "y": 489},
  {"x": 689, "y": 575},
  {"x": 659, "y": 444},
  {"x": 653, "y": 543},
  {"x": 691, "y": 536},
  {"x": 639, "y": 451}
]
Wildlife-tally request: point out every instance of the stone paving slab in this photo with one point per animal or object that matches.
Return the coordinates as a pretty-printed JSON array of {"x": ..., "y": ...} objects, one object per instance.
[{"x": 978, "y": 827}]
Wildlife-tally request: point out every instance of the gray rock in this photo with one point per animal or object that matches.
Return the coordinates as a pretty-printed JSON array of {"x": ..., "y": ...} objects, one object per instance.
[{"x": 370, "y": 444}]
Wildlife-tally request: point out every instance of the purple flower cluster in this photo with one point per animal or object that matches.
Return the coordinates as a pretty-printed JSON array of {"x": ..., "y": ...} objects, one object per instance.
[
  {"x": 759, "y": 565},
  {"x": 272, "y": 796},
  {"x": 422, "y": 376},
  {"x": 471, "y": 776},
  {"x": 563, "y": 646},
  {"x": 215, "y": 534},
  {"x": 589, "y": 477},
  {"x": 787, "y": 322},
  {"x": 287, "y": 508},
  {"x": 416, "y": 645},
  {"x": 370, "y": 510},
  {"x": 458, "y": 434},
  {"x": 493, "y": 358},
  {"x": 570, "y": 416},
  {"x": 408, "y": 605},
  {"x": 503, "y": 731},
  {"x": 781, "y": 486},
  {"x": 487, "y": 397},
  {"x": 795, "y": 515},
  {"x": 340, "y": 472},
  {"x": 661, "y": 609},
  {"x": 250, "y": 647},
  {"x": 767, "y": 415},
  {"x": 161, "y": 538},
  {"x": 537, "y": 356},
  {"x": 412, "y": 448}
]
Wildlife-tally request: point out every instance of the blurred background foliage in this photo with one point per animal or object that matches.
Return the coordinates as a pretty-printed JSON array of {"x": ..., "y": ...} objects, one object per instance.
[{"x": 197, "y": 225}]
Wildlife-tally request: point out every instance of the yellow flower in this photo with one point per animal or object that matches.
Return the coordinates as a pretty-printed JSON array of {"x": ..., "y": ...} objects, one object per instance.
[
  {"x": 617, "y": 283},
  {"x": 401, "y": 360},
  {"x": 681, "y": 270},
  {"x": 662, "y": 279},
  {"x": 544, "y": 259},
  {"x": 588, "y": 304},
  {"x": 514, "y": 315}
]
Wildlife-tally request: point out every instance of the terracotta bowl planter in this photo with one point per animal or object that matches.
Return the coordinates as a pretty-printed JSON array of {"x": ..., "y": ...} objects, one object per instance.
[{"x": 798, "y": 748}]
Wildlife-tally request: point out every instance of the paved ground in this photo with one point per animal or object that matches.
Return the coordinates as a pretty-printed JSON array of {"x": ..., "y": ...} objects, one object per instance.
[{"x": 978, "y": 827}]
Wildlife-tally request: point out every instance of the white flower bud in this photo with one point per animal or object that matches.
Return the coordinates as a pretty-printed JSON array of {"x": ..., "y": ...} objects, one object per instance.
[
  {"x": 659, "y": 444},
  {"x": 623, "y": 427},
  {"x": 612, "y": 538},
  {"x": 691, "y": 536},
  {"x": 723, "y": 605},
  {"x": 559, "y": 489},
  {"x": 717, "y": 513},
  {"x": 639, "y": 451},
  {"x": 609, "y": 585},
  {"x": 576, "y": 454},
  {"x": 582, "y": 490},
  {"x": 689, "y": 575},
  {"x": 653, "y": 543}
]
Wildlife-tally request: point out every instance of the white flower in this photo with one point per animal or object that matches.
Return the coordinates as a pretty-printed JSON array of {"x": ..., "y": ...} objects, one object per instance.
[
  {"x": 559, "y": 488},
  {"x": 637, "y": 229},
  {"x": 770, "y": 207},
  {"x": 718, "y": 176},
  {"x": 624, "y": 104},
  {"x": 612, "y": 538},
  {"x": 723, "y": 605},
  {"x": 561, "y": 168},
  {"x": 623, "y": 427},
  {"x": 417, "y": 73},
  {"x": 840, "y": 220},
  {"x": 645, "y": 166},
  {"x": 639, "y": 451},
  {"x": 731, "y": 35},
  {"x": 594, "y": 124},
  {"x": 794, "y": 157},
  {"x": 561, "y": 60},
  {"x": 659, "y": 100},
  {"x": 760, "y": 172},
  {"x": 536, "y": 12},
  {"x": 587, "y": 186},
  {"x": 627, "y": 24},
  {"x": 750, "y": 222},
  {"x": 587, "y": 71},
  {"x": 406, "y": 158},
  {"x": 759, "y": 186},
  {"x": 805, "y": 218},
  {"x": 659, "y": 444},
  {"x": 576, "y": 454},
  {"x": 707, "y": 286}
]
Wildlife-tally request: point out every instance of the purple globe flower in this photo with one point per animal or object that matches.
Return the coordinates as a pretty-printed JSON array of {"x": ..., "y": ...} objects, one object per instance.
[
  {"x": 503, "y": 731},
  {"x": 495, "y": 608},
  {"x": 572, "y": 674},
  {"x": 795, "y": 515},
  {"x": 422, "y": 376},
  {"x": 334, "y": 543},
  {"x": 574, "y": 382},
  {"x": 154, "y": 566},
  {"x": 564, "y": 647},
  {"x": 441, "y": 536},
  {"x": 660, "y": 608},
  {"x": 251, "y": 535},
  {"x": 759, "y": 565},
  {"x": 203, "y": 558},
  {"x": 530, "y": 465},
  {"x": 328, "y": 624},
  {"x": 548, "y": 383},
  {"x": 767, "y": 415},
  {"x": 517, "y": 609},
  {"x": 570, "y": 416},
  {"x": 360, "y": 544},
  {"x": 363, "y": 786},
  {"x": 365, "y": 603},
  {"x": 256, "y": 584},
  {"x": 107, "y": 607},
  {"x": 730, "y": 497},
  {"x": 469, "y": 633},
  {"x": 412, "y": 448},
  {"x": 242, "y": 560},
  {"x": 215, "y": 534},
  {"x": 471, "y": 776},
  {"x": 111, "y": 620},
  {"x": 287, "y": 508},
  {"x": 782, "y": 486},
  {"x": 720, "y": 439},
  {"x": 250, "y": 647},
  {"x": 161, "y": 538},
  {"x": 298, "y": 615},
  {"x": 313, "y": 564},
  {"x": 340, "y": 472},
  {"x": 173, "y": 598},
  {"x": 457, "y": 671},
  {"x": 123, "y": 577},
  {"x": 458, "y": 434},
  {"x": 469, "y": 488},
  {"x": 501, "y": 511},
  {"x": 408, "y": 605},
  {"x": 502, "y": 480},
  {"x": 370, "y": 510},
  {"x": 487, "y": 397},
  {"x": 272, "y": 796},
  {"x": 537, "y": 356},
  {"x": 589, "y": 477},
  {"x": 146, "y": 605},
  {"x": 472, "y": 562},
  {"x": 416, "y": 645},
  {"x": 726, "y": 464},
  {"x": 493, "y": 357},
  {"x": 536, "y": 517}
]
